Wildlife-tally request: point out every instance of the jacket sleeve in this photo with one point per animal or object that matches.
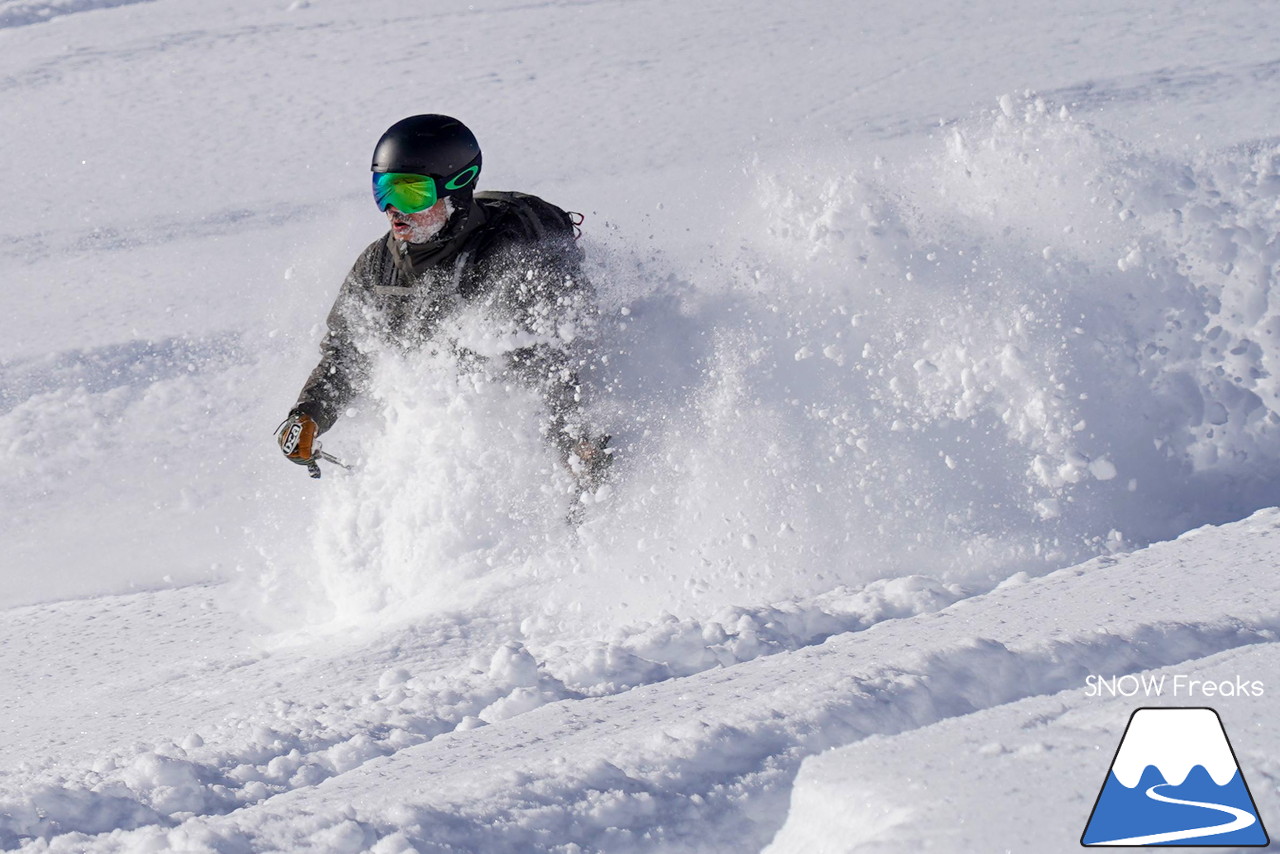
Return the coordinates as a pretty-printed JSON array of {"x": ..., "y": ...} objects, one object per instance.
[
  {"x": 552, "y": 372},
  {"x": 343, "y": 370},
  {"x": 552, "y": 300}
]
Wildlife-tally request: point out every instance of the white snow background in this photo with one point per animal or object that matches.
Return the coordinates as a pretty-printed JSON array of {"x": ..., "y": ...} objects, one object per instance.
[{"x": 922, "y": 323}]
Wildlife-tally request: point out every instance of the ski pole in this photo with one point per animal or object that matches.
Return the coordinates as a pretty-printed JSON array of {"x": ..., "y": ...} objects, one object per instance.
[{"x": 313, "y": 466}]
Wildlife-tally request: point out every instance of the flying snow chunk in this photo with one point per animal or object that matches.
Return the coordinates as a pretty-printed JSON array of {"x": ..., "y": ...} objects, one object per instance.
[
  {"x": 1049, "y": 508},
  {"x": 1134, "y": 259},
  {"x": 1102, "y": 469}
]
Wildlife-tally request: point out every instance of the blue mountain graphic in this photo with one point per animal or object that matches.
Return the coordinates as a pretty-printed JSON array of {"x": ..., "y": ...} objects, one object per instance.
[{"x": 1124, "y": 813}]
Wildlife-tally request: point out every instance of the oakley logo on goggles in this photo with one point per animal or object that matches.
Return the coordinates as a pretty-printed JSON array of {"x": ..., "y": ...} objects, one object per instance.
[{"x": 410, "y": 193}]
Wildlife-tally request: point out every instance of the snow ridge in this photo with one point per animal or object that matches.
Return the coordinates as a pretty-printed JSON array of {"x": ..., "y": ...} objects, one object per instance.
[
  {"x": 18, "y": 13},
  {"x": 290, "y": 745}
]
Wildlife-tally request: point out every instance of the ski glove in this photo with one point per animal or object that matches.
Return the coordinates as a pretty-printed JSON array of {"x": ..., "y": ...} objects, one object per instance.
[
  {"x": 589, "y": 462},
  {"x": 297, "y": 438}
]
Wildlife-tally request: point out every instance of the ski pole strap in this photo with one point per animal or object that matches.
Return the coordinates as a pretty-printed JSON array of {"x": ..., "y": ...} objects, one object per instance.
[
  {"x": 313, "y": 464},
  {"x": 330, "y": 458}
]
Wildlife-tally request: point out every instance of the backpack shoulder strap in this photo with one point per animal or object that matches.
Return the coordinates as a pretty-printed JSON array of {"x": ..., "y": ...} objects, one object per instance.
[{"x": 385, "y": 279}]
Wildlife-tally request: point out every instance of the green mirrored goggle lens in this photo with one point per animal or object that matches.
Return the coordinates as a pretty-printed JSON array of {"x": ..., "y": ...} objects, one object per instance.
[{"x": 405, "y": 192}]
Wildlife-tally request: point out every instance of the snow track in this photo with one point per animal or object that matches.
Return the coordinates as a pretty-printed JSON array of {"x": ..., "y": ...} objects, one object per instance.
[
  {"x": 420, "y": 682},
  {"x": 1022, "y": 776},
  {"x": 19, "y": 13},
  {"x": 659, "y": 764}
]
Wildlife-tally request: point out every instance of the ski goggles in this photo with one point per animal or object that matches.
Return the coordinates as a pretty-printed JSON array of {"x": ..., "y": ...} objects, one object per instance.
[{"x": 409, "y": 193}]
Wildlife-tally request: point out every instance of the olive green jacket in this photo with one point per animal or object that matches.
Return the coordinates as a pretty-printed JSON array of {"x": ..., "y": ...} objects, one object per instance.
[{"x": 512, "y": 253}]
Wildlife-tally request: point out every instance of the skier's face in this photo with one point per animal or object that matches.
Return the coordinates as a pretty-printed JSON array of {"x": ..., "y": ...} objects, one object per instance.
[{"x": 421, "y": 226}]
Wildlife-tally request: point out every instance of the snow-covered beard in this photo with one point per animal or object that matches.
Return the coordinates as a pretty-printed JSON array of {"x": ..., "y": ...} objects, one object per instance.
[{"x": 422, "y": 232}]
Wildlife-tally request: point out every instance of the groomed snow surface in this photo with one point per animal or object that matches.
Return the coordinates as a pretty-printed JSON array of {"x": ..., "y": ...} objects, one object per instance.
[{"x": 917, "y": 330}]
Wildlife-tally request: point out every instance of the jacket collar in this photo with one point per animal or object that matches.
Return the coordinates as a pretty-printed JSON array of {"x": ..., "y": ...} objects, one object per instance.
[{"x": 413, "y": 259}]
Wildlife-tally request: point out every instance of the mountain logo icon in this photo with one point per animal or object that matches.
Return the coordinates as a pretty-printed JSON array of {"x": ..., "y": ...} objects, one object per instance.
[{"x": 1175, "y": 781}]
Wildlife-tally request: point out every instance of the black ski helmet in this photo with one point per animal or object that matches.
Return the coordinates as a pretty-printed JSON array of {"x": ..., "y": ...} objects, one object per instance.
[{"x": 434, "y": 145}]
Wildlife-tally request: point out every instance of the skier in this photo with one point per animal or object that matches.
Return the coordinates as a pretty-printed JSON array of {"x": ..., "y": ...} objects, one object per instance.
[{"x": 512, "y": 254}]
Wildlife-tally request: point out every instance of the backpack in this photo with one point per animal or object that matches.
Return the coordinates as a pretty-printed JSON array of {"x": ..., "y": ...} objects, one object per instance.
[{"x": 539, "y": 218}]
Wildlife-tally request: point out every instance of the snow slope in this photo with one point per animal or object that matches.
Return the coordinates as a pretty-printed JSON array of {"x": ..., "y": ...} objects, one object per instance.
[
  {"x": 543, "y": 749},
  {"x": 901, "y": 315}
]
